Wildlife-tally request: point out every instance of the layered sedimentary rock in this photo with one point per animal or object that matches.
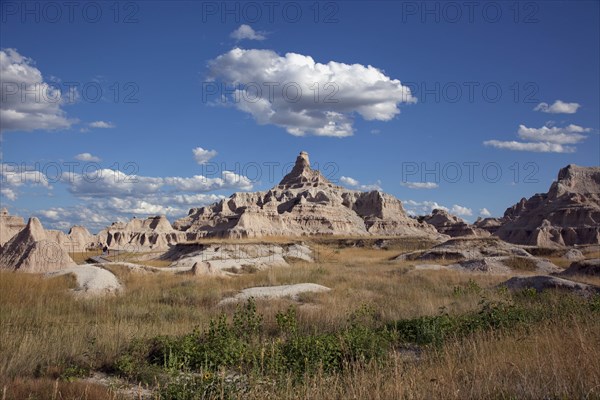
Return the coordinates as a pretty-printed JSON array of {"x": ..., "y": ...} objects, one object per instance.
[
  {"x": 80, "y": 239},
  {"x": 229, "y": 259},
  {"x": 568, "y": 214},
  {"x": 34, "y": 250},
  {"x": 452, "y": 225},
  {"x": 304, "y": 203},
  {"x": 490, "y": 225},
  {"x": 10, "y": 225},
  {"x": 461, "y": 249},
  {"x": 152, "y": 233}
]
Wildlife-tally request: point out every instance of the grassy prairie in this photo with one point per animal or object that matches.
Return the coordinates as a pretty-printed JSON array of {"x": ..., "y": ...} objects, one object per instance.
[{"x": 49, "y": 340}]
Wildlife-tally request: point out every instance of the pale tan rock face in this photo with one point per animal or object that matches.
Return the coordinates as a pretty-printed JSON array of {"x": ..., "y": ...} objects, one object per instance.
[
  {"x": 152, "y": 233},
  {"x": 34, "y": 250},
  {"x": 568, "y": 214},
  {"x": 452, "y": 225},
  {"x": 10, "y": 225},
  {"x": 303, "y": 203}
]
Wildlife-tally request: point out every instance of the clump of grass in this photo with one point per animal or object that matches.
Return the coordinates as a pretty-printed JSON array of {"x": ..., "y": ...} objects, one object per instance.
[{"x": 520, "y": 264}]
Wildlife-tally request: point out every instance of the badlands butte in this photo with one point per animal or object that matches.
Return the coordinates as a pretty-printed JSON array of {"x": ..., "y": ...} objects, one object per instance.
[{"x": 306, "y": 207}]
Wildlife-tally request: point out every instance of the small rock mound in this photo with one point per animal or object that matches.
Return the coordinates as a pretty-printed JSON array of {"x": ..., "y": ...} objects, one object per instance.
[
  {"x": 229, "y": 259},
  {"x": 467, "y": 249},
  {"x": 544, "y": 282},
  {"x": 91, "y": 280},
  {"x": 490, "y": 265},
  {"x": 497, "y": 266},
  {"x": 276, "y": 292},
  {"x": 584, "y": 267},
  {"x": 574, "y": 255}
]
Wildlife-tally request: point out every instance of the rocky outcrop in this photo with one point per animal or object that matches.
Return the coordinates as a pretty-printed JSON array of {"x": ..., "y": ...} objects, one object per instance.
[
  {"x": 91, "y": 280},
  {"x": 10, "y": 225},
  {"x": 304, "y": 203},
  {"x": 152, "y": 233},
  {"x": 275, "y": 292},
  {"x": 80, "y": 239},
  {"x": 34, "y": 250},
  {"x": 490, "y": 225},
  {"x": 584, "y": 267},
  {"x": 461, "y": 249},
  {"x": 452, "y": 225},
  {"x": 568, "y": 214},
  {"x": 574, "y": 255},
  {"x": 229, "y": 259},
  {"x": 544, "y": 282}
]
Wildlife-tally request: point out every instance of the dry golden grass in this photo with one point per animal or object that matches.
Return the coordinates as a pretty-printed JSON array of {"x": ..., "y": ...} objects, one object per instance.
[
  {"x": 44, "y": 388},
  {"x": 43, "y": 325},
  {"x": 82, "y": 257},
  {"x": 43, "y": 329}
]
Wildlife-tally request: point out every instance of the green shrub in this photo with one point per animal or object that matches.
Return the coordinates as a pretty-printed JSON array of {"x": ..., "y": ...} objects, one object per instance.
[
  {"x": 197, "y": 387},
  {"x": 241, "y": 344}
]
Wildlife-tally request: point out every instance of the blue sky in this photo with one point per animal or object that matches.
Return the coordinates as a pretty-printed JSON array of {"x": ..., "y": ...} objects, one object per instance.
[{"x": 428, "y": 101}]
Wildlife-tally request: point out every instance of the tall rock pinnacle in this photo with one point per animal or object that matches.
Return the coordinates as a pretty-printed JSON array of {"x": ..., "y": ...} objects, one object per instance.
[
  {"x": 304, "y": 203},
  {"x": 303, "y": 175}
]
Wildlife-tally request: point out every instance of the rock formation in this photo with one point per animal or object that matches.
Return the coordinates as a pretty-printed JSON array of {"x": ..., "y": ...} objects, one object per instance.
[
  {"x": 34, "y": 250},
  {"x": 304, "y": 203},
  {"x": 275, "y": 292},
  {"x": 152, "y": 233},
  {"x": 490, "y": 225},
  {"x": 229, "y": 259},
  {"x": 544, "y": 282},
  {"x": 81, "y": 239},
  {"x": 460, "y": 249},
  {"x": 10, "y": 225},
  {"x": 584, "y": 267},
  {"x": 481, "y": 255},
  {"x": 451, "y": 225},
  {"x": 91, "y": 280},
  {"x": 568, "y": 214}
]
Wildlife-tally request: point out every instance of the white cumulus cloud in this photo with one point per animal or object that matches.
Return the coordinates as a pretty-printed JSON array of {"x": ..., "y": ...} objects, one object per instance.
[
  {"x": 534, "y": 147},
  {"x": 484, "y": 212},
  {"x": 28, "y": 103},
  {"x": 101, "y": 125},
  {"x": 88, "y": 157},
  {"x": 570, "y": 134},
  {"x": 547, "y": 139},
  {"x": 8, "y": 193},
  {"x": 420, "y": 185},
  {"x": 413, "y": 207},
  {"x": 354, "y": 184},
  {"x": 203, "y": 156},
  {"x": 306, "y": 97},
  {"x": 346, "y": 180},
  {"x": 16, "y": 177},
  {"x": 461, "y": 211},
  {"x": 558, "y": 107},
  {"x": 246, "y": 32}
]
